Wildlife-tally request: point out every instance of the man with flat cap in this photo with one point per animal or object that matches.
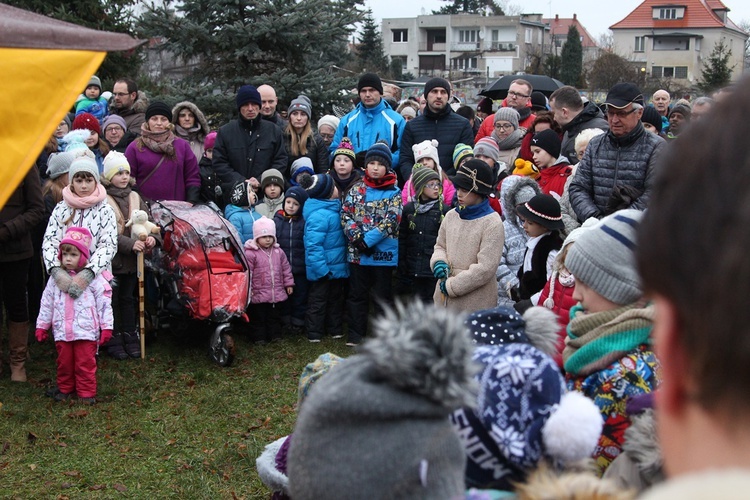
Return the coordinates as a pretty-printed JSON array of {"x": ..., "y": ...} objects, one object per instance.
[
  {"x": 439, "y": 122},
  {"x": 371, "y": 121},
  {"x": 248, "y": 146},
  {"x": 617, "y": 170}
]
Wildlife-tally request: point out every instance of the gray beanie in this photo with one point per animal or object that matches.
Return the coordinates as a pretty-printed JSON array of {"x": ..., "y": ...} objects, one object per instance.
[
  {"x": 603, "y": 258},
  {"x": 301, "y": 103},
  {"x": 83, "y": 163},
  {"x": 59, "y": 164},
  {"x": 377, "y": 425},
  {"x": 508, "y": 115}
]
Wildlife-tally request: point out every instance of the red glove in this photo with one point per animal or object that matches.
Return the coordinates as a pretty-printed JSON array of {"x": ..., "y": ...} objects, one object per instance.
[
  {"x": 105, "y": 337},
  {"x": 41, "y": 335}
]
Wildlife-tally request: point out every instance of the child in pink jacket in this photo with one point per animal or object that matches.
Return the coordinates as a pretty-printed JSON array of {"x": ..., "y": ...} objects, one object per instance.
[
  {"x": 79, "y": 325},
  {"x": 272, "y": 281}
]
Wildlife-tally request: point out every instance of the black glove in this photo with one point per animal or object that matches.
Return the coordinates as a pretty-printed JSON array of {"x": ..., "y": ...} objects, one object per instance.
[
  {"x": 522, "y": 305},
  {"x": 193, "y": 194},
  {"x": 515, "y": 295}
]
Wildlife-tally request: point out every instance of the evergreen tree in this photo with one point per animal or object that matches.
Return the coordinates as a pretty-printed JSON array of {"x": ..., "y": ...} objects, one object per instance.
[
  {"x": 716, "y": 73},
  {"x": 572, "y": 58},
  {"x": 289, "y": 45},
  {"x": 552, "y": 65},
  {"x": 483, "y": 7},
  {"x": 103, "y": 15},
  {"x": 370, "y": 52}
]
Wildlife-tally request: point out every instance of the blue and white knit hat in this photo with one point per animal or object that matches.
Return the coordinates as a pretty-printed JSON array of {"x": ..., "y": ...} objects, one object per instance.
[{"x": 603, "y": 258}]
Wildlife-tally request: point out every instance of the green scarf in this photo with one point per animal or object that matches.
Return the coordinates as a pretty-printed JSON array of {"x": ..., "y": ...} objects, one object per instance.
[{"x": 597, "y": 340}]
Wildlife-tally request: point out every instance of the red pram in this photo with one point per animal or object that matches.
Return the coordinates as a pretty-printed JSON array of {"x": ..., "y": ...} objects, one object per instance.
[{"x": 202, "y": 264}]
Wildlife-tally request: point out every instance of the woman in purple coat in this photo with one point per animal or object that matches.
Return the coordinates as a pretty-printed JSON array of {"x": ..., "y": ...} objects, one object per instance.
[{"x": 163, "y": 165}]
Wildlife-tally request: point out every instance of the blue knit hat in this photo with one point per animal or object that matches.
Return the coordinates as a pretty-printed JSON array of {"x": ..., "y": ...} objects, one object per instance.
[
  {"x": 381, "y": 152},
  {"x": 297, "y": 193},
  {"x": 319, "y": 186},
  {"x": 246, "y": 94},
  {"x": 300, "y": 165}
]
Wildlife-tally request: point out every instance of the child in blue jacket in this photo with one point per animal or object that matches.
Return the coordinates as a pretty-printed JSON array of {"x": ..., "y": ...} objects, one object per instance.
[
  {"x": 371, "y": 214},
  {"x": 290, "y": 234},
  {"x": 240, "y": 210},
  {"x": 325, "y": 257}
]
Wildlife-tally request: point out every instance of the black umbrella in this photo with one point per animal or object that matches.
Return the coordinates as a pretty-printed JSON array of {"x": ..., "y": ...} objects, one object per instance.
[{"x": 542, "y": 83}]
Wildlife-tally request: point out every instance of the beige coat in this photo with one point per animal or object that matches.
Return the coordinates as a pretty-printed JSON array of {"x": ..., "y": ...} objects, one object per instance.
[{"x": 472, "y": 249}]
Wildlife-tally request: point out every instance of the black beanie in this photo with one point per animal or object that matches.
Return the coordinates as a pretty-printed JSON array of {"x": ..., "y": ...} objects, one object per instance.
[
  {"x": 370, "y": 80},
  {"x": 549, "y": 141},
  {"x": 248, "y": 94},
  {"x": 650, "y": 115},
  {"x": 158, "y": 108},
  {"x": 436, "y": 82}
]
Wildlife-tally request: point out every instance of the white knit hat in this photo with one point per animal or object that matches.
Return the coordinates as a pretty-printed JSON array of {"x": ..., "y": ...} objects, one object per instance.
[
  {"x": 426, "y": 149},
  {"x": 114, "y": 163}
]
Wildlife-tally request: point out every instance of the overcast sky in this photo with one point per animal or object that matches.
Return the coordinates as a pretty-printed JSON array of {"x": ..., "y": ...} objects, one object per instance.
[{"x": 592, "y": 14}]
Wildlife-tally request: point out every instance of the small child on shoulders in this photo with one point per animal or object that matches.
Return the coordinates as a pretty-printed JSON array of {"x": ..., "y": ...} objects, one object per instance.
[
  {"x": 418, "y": 231},
  {"x": 79, "y": 325},
  {"x": 542, "y": 222},
  {"x": 426, "y": 154},
  {"x": 272, "y": 281},
  {"x": 240, "y": 210},
  {"x": 272, "y": 188},
  {"x": 290, "y": 234},
  {"x": 91, "y": 101}
]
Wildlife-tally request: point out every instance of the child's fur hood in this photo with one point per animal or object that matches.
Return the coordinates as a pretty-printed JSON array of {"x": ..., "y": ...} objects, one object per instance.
[
  {"x": 425, "y": 350},
  {"x": 511, "y": 194},
  {"x": 642, "y": 444}
]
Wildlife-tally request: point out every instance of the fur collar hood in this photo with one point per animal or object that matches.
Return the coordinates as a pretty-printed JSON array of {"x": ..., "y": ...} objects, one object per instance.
[{"x": 200, "y": 118}]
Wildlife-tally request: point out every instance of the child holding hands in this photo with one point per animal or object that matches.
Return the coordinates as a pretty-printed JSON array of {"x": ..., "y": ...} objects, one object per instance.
[
  {"x": 272, "y": 281},
  {"x": 84, "y": 205},
  {"x": 76, "y": 322}
]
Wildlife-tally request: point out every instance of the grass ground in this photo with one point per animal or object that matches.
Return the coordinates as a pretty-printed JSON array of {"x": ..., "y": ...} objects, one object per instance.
[{"x": 173, "y": 425}]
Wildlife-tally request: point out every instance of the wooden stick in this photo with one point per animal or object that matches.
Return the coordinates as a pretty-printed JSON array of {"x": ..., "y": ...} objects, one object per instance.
[{"x": 141, "y": 305}]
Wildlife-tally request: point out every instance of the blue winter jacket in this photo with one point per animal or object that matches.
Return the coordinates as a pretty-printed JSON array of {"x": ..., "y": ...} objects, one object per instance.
[
  {"x": 366, "y": 126},
  {"x": 242, "y": 218},
  {"x": 290, "y": 235},
  {"x": 325, "y": 246}
]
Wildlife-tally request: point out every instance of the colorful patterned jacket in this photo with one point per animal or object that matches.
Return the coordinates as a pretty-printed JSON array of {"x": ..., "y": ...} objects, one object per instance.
[{"x": 372, "y": 214}]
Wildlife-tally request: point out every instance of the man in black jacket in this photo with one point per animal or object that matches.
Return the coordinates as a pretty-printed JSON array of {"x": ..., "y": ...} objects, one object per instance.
[
  {"x": 248, "y": 146},
  {"x": 439, "y": 122},
  {"x": 574, "y": 116}
]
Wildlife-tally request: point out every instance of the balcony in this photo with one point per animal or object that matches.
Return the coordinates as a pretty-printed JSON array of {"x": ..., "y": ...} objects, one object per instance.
[
  {"x": 501, "y": 46},
  {"x": 432, "y": 47}
]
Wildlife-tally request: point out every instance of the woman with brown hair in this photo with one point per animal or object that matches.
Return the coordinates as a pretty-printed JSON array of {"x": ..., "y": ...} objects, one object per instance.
[{"x": 300, "y": 139}]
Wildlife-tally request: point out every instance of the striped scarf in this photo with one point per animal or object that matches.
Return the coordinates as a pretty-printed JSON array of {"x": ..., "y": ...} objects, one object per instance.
[{"x": 596, "y": 340}]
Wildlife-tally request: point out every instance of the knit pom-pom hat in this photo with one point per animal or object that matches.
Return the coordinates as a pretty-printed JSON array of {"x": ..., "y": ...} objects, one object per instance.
[{"x": 345, "y": 148}]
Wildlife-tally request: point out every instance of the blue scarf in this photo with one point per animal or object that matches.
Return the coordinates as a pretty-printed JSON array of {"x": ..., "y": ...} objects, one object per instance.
[{"x": 475, "y": 211}]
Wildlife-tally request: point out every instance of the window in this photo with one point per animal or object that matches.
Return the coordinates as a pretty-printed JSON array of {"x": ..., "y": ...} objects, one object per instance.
[
  {"x": 669, "y": 72},
  {"x": 640, "y": 44},
  {"x": 468, "y": 36},
  {"x": 400, "y": 36},
  {"x": 527, "y": 38},
  {"x": 495, "y": 35},
  {"x": 465, "y": 63},
  {"x": 667, "y": 13}
]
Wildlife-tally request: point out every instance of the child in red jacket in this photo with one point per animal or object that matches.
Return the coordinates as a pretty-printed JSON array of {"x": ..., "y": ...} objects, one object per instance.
[{"x": 554, "y": 168}]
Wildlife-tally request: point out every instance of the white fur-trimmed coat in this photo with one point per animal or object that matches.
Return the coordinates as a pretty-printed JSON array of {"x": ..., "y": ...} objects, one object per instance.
[{"x": 99, "y": 220}]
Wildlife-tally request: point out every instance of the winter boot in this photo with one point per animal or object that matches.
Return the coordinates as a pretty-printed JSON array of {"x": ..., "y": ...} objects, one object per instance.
[
  {"x": 116, "y": 347},
  {"x": 18, "y": 341},
  {"x": 132, "y": 344}
]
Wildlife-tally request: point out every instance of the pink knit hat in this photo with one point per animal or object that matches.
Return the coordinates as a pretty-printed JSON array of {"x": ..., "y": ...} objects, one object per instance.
[
  {"x": 264, "y": 227},
  {"x": 79, "y": 237}
]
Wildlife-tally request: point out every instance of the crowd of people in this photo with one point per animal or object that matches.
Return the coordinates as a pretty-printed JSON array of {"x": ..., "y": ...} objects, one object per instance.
[{"x": 537, "y": 247}]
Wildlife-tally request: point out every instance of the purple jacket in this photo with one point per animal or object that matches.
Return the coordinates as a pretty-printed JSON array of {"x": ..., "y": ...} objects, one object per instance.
[
  {"x": 271, "y": 273},
  {"x": 174, "y": 174}
]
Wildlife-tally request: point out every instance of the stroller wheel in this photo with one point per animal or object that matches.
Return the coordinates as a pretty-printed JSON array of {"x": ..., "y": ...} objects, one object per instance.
[{"x": 221, "y": 348}]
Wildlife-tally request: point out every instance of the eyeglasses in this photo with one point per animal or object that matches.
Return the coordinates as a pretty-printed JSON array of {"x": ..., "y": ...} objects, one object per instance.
[
  {"x": 327, "y": 137},
  {"x": 511, "y": 93},
  {"x": 620, "y": 114},
  {"x": 432, "y": 185},
  {"x": 120, "y": 94},
  {"x": 504, "y": 126}
]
